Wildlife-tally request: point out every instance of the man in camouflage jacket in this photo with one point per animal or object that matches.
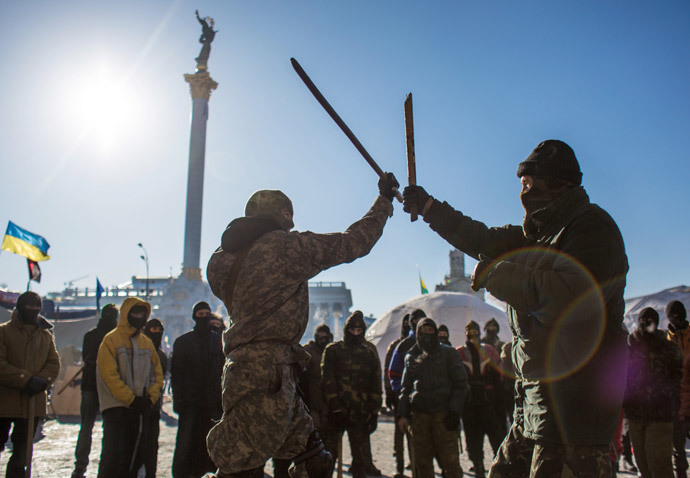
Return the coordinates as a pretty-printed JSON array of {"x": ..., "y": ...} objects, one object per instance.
[
  {"x": 351, "y": 378},
  {"x": 261, "y": 272}
]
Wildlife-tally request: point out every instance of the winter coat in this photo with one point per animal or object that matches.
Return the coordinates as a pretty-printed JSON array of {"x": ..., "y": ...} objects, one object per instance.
[
  {"x": 270, "y": 303},
  {"x": 432, "y": 383},
  {"x": 397, "y": 364},
  {"x": 25, "y": 351},
  {"x": 564, "y": 289},
  {"x": 655, "y": 368},
  {"x": 684, "y": 412},
  {"x": 681, "y": 337},
  {"x": 89, "y": 353},
  {"x": 196, "y": 370},
  {"x": 127, "y": 364},
  {"x": 387, "y": 362},
  {"x": 351, "y": 378},
  {"x": 311, "y": 379},
  {"x": 485, "y": 383}
]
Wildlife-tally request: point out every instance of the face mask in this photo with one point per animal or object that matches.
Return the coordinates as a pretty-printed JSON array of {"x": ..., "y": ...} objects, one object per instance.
[
  {"x": 203, "y": 323},
  {"x": 352, "y": 339},
  {"x": 156, "y": 338},
  {"x": 28, "y": 315},
  {"x": 321, "y": 342},
  {"x": 136, "y": 322},
  {"x": 677, "y": 322},
  {"x": 443, "y": 339},
  {"x": 428, "y": 342},
  {"x": 491, "y": 330}
]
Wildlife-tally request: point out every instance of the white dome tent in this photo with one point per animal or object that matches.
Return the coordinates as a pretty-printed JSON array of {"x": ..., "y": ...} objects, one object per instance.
[{"x": 453, "y": 309}]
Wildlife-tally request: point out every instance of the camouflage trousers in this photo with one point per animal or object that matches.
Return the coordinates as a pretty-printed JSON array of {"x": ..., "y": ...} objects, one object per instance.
[
  {"x": 430, "y": 438},
  {"x": 521, "y": 457},
  {"x": 263, "y": 417}
]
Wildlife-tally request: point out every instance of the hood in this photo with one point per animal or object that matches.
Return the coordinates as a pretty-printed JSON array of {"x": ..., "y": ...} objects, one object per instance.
[
  {"x": 243, "y": 231},
  {"x": 126, "y": 306},
  {"x": 356, "y": 319},
  {"x": 428, "y": 343},
  {"x": 492, "y": 322},
  {"x": 405, "y": 331}
]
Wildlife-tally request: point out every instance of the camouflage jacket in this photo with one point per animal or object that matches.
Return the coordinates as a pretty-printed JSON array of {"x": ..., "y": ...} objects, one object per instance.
[
  {"x": 655, "y": 368},
  {"x": 351, "y": 379},
  {"x": 270, "y": 306}
]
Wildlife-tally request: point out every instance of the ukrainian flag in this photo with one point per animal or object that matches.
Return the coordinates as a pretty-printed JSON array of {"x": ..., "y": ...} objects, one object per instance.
[{"x": 25, "y": 243}]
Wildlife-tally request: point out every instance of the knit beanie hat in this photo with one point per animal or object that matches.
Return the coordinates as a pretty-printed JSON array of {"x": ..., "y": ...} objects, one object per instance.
[
  {"x": 552, "y": 158},
  {"x": 676, "y": 308},
  {"x": 201, "y": 305},
  {"x": 649, "y": 313}
]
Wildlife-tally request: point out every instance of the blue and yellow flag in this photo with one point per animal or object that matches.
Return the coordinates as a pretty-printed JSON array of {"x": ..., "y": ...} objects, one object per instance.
[
  {"x": 423, "y": 286},
  {"x": 25, "y": 243}
]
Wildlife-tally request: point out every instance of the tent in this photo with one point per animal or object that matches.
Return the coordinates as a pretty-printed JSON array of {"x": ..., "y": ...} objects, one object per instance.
[
  {"x": 658, "y": 302},
  {"x": 454, "y": 309}
]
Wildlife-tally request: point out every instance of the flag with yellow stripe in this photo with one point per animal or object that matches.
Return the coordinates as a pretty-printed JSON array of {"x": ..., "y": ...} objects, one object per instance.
[{"x": 24, "y": 243}]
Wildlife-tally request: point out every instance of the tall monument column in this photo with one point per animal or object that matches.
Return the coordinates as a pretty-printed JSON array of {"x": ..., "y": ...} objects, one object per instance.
[{"x": 200, "y": 85}]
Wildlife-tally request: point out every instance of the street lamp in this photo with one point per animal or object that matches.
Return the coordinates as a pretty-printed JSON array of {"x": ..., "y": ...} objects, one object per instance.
[{"x": 145, "y": 258}]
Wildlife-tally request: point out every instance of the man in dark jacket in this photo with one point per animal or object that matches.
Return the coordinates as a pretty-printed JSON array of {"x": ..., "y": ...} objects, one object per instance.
[
  {"x": 483, "y": 409},
  {"x": 154, "y": 330},
  {"x": 195, "y": 374},
  {"x": 444, "y": 335},
  {"x": 397, "y": 363},
  {"x": 310, "y": 381},
  {"x": 562, "y": 274},
  {"x": 434, "y": 386},
  {"x": 652, "y": 396},
  {"x": 351, "y": 376},
  {"x": 392, "y": 401},
  {"x": 491, "y": 329},
  {"x": 29, "y": 364},
  {"x": 89, "y": 392}
]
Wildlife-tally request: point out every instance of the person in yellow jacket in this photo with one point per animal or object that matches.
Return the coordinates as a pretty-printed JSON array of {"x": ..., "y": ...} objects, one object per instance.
[{"x": 129, "y": 379}]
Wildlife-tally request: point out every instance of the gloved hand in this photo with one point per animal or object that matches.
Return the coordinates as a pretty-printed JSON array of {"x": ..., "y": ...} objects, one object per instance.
[
  {"x": 35, "y": 385},
  {"x": 339, "y": 418},
  {"x": 372, "y": 423},
  {"x": 390, "y": 400},
  {"x": 140, "y": 404},
  {"x": 388, "y": 186},
  {"x": 452, "y": 421},
  {"x": 481, "y": 272},
  {"x": 415, "y": 196}
]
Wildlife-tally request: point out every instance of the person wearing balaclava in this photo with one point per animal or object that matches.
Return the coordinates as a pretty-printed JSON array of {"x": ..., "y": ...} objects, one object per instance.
[
  {"x": 562, "y": 275},
  {"x": 217, "y": 324},
  {"x": 261, "y": 272},
  {"x": 154, "y": 330},
  {"x": 89, "y": 392},
  {"x": 196, "y": 368},
  {"x": 129, "y": 379},
  {"x": 29, "y": 364},
  {"x": 652, "y": 394},
  {"x": 432, "y": 397},
  {"x": 491, "y": 329},
  {"x": 444, "y": 335},
  {"x": 392, "y": 401},
  {"x": 484, "y": 412},
  {"x": 397, "y": 363},
  {"x": 351, "y": 377}
]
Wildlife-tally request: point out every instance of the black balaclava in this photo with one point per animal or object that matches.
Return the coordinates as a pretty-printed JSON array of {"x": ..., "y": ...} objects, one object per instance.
[
  {"x": 108, "y": 320},
  {"x": 472, "y": 341},
  {"x": 270, "y": 203},
  {"x": 472, "y": 333},
  {"x": 29, "y": 307},
  {"x": 137, "y": 323},
  {"x": 156, "y": 337},
  {"x": 355, "y": 320},
  {"x": 321, "y": 330},
  {"x": 202, "y": 323},
  {"x": 427, "y": 342},
  {"x": 491, "y": 328},
  {"x": 675, "y": 311},
  {"x": 414, "y": 319},
  {"x": 405, "y": 330},
  {"x": 648, "y": 320},
  {"x": 443, "y": 339}
]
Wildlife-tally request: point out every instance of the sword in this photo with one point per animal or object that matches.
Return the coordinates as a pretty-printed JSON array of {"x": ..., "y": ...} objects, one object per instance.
[
  {"x": 338, "y": 120},
  {"x": 409, "y": 136}
]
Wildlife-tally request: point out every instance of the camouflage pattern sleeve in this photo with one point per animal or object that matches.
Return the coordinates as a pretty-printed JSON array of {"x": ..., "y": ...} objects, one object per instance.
[{"x": 375, "y": 383}]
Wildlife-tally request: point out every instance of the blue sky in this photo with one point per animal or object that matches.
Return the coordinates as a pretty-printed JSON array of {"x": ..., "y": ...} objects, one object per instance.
[{"x": 94, "y": 125}]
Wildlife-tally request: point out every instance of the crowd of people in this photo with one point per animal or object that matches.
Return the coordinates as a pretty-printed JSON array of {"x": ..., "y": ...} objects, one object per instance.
[{"x": 566, "y": 396}]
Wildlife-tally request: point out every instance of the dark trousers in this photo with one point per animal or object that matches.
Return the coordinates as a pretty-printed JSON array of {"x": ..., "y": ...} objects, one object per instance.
[
  {"x": 89, "y": 411},
  {"x": 121, "y": 428},
  {"x": 191, "y": 455},
  {"x": 15, "y": 465},
  {"x": 477, "y": 422},
  {"x": 680, "y": 461},
  {"x": 150, "y": 441}
]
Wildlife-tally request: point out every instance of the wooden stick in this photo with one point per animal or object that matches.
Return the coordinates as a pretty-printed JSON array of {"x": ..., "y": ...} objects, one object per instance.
[{"x": 411, "y": 165}]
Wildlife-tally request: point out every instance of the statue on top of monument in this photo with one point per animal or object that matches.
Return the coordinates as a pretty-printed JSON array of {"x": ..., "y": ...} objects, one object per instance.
[{"x": 207, "y": 35}]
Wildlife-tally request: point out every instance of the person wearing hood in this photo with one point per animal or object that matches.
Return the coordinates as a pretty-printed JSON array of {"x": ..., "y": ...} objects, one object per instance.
[
  {"x": 679, "y": 334},
  {"x": 444, "y": 335},
  {"x": 310, "y": 380},
  {"x": 154, "y": 330},
  {"x": 484, "y": 412},
  {"x": 397, "y": 363},
  {"x": 491, "y": 329},
  {"x": 129, "y": 379},
  {"x": 217, "y": 324},
  {"x": 261, "y": 273},
  {"x": 351, "y": 376},
  {"x": 89, "y": 392},
  {"x": 196, "y": 369},
  {"x": 434, "y": 386},
  {"x": 29, "y": 364},
  {"x": 562, "y": 275},
  {"x": 392, "y": 401},
  {"x": 652, "y": 395}
]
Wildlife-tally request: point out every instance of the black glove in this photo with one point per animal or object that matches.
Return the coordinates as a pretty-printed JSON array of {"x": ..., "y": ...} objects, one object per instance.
[
  {"x": 415, "y": 196},
  {"x": 35, "y": 385},
  {"x": 372, "y": 423},
  {"x": 339, "y": 418},
  {"x": 388, "y": 186},
  {"x": 140, "y": 404},
  {"x": 390, "y": 400},
  {"x": 452, "y": 421},
  {"x": 481, "y": 272}
]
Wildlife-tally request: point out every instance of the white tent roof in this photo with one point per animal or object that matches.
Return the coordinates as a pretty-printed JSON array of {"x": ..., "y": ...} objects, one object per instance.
[
  {"x": 658, "y": 302},
  {"x": 454, "y": 309}
]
